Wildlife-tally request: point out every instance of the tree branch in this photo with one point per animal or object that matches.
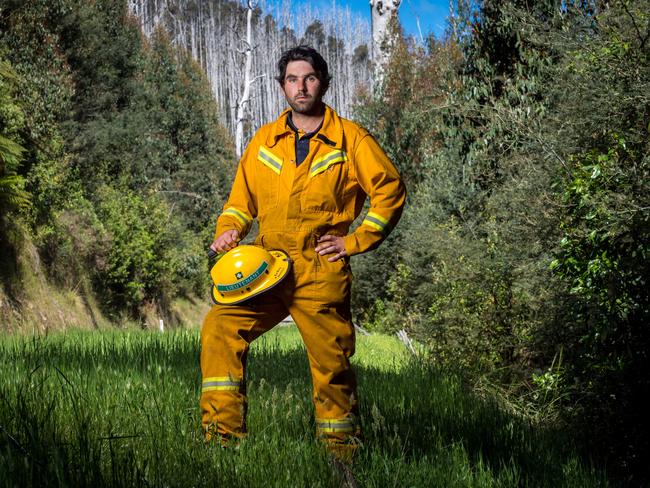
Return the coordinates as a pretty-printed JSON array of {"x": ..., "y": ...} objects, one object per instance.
[
  {"x": 642, "y": 39},
  {"x": 185, "y": 194}
]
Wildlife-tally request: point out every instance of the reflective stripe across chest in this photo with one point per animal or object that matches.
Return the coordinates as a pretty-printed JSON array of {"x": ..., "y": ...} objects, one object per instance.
[
  {"x": 322, "y": 163},
  {"x": 270, "y": 160},
  {"x": 318, "y": 165}
]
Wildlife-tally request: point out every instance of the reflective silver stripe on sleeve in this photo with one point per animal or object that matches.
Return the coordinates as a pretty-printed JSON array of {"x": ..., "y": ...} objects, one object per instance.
[
  {"x": 376, "y": 221},
  {"x": 238, "y": 214}
]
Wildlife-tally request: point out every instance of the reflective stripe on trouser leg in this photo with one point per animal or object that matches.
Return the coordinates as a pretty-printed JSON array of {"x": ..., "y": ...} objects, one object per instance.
[
  {"x": 342, "y": 436},
  {"x": 224, "y": 413},
  {"x": 225, "y": 337},
  {"x": 221, "y": 383},
  {"x": 223, "y": 396},
  {"x": 324, "y": 321},
  {"x": 347, "y": 425}
]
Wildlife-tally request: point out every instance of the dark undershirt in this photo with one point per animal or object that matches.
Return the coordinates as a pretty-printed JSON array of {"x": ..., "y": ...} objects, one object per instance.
[{"x": 302, "y": 143}]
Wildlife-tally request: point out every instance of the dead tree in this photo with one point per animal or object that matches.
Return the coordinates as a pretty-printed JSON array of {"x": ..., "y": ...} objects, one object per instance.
[
  {"x": 248, "y": 81},
  {"x": 383, "y": 12}
]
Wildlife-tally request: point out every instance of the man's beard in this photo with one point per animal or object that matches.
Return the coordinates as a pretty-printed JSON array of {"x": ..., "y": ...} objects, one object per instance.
[{"x": 306, "y": 106}]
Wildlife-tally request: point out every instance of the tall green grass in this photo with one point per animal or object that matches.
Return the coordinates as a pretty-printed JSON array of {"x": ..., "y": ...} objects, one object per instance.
[{"x": 120, "y": 409}]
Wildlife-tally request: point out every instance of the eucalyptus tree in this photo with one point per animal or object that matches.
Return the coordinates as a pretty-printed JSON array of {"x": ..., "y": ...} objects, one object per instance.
[
  {"x": 384, "y": 16},
  {"x": 248, "y": 49}
]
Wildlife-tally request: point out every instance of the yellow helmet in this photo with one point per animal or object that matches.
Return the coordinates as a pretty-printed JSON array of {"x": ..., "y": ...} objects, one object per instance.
[{"x": 246, "y": 271}]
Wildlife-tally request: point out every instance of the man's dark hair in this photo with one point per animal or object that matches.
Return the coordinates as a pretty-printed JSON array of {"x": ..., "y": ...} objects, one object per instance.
[{"x": 304, "y": 53}]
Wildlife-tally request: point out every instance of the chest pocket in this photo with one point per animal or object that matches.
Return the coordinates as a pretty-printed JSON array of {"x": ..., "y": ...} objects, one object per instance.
[
  {"x": 268, "y": 178},
  {"x": 326, "y": 182}
]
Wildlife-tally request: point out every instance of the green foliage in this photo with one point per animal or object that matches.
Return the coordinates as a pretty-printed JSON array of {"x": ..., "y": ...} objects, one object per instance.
[
  {"x": 407, "y": 123},
  {"x": 464, "y": 291},
  {"x": 12, "y": 193},
  {"x": 29, "y": 40},
  {"x": 602, "y": 251},
  {"x": 146, "y": 248},
  {"x": 196, "y": 157},
  {"x": 123, "y": 155},
  {"x": 71, "y": 242},
  {"x": 526, "y": 234},
  {"x": 402, "y": 118},
  {"x": 606, "y": 230},
  {"x": 145, "y": 116},
  {"x": 603, "y": 255}
]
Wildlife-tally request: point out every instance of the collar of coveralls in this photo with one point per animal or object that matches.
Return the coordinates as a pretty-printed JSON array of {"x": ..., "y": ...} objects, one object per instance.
[{"x": 330, "y": 133}]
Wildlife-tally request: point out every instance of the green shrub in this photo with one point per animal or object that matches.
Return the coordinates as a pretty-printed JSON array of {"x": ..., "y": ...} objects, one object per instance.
[{"x": 144, "y": 250}]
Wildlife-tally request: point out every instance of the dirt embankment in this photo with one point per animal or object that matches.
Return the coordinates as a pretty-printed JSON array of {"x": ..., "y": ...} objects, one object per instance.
[{"x": 32, "y": 302}]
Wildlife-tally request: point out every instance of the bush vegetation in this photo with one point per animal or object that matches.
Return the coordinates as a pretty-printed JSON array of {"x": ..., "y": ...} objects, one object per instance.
[
  {"x": 522, "y": 256},
  {"x": 112, "y": 154}
]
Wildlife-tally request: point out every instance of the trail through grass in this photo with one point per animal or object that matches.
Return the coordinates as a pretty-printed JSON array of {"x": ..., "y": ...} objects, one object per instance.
[{"x": 120, "y": 408}]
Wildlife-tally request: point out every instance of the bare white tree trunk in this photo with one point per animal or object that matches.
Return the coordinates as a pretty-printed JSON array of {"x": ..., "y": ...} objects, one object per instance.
[
  {"x": 245, "y": 97},
  {"x": 383, "y": 11}
]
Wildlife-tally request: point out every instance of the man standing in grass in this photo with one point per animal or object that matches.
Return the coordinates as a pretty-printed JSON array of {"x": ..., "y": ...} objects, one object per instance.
[{"x": 305, "y": 178}]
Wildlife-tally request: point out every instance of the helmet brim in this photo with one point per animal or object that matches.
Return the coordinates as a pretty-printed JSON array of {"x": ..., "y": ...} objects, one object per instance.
[{"x": 276, "y": 273}]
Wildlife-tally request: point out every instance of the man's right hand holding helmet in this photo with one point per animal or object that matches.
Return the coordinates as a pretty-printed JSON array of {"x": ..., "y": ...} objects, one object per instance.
[{"x": 226, "y": 241}]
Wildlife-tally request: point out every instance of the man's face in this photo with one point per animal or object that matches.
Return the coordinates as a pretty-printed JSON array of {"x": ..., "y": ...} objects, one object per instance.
[{"x": 302, "y": 88}]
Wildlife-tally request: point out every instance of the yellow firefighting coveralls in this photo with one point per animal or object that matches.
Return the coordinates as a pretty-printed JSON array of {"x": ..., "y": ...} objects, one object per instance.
[{"x": 295, "y": 205}]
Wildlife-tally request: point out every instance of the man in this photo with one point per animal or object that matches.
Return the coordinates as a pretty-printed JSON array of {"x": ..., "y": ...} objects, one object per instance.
[{"x": 305, "y": 177}]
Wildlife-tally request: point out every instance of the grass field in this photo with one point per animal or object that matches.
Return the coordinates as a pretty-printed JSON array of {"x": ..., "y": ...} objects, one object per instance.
[{"x": 120, "y": 408}]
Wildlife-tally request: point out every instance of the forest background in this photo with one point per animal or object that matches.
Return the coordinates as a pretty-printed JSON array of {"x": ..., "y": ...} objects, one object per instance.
[{"x": 522, "y": 135}]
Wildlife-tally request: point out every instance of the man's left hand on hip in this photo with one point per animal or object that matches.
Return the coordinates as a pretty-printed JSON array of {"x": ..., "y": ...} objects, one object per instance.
[{"x": 329, "y": 244}]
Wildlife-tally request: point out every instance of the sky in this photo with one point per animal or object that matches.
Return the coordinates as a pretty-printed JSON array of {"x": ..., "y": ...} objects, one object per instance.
[
  {"x": 418, "y": 17},
  {"x": 431, "y": 14}
]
